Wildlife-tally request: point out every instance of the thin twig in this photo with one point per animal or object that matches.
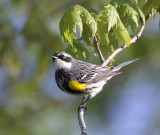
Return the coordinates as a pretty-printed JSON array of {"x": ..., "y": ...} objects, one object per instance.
[
  {"x": 133, "y": 40},
  {"x": 118, "y": 50},
  {"x": 98, "y": 50},
  {"x": 81, "y": 112}
]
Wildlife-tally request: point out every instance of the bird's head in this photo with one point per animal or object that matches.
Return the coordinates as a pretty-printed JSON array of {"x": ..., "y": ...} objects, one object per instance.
[{"x": 62, "y": 60}]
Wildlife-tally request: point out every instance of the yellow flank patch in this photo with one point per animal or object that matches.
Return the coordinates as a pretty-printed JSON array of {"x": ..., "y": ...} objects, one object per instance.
[{"x": 75, "y": 85}]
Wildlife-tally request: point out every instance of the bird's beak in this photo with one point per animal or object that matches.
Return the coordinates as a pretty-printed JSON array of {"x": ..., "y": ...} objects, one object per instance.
[{"x": 54, "y": 57}]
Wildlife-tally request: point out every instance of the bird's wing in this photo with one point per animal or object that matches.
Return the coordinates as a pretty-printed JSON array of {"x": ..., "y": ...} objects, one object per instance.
[
  {"x": 92, "y": 74},
  {"x": 89, "y": 75},
  {"x": 84, "y": 73}
]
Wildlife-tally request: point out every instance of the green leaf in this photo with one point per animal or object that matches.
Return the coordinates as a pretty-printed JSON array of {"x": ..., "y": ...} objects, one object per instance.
[
  {"x": 79, "y": 51},
  {"x": 120, "y": 33},
  {"x": 141, "y": 14},
  {"x": 86, "y": 35},
  {"x": 103, "y": 33},
  {"x": 77, "y": 17},
  {"x": 134, "y": 1},
  {"x": 108, "y": 16},
  {"x": 129, "y": 13},
  {"x": 151, "y": 7},
  {"x": 107, "y": 20},
  {"x": 93, "y": 12}
]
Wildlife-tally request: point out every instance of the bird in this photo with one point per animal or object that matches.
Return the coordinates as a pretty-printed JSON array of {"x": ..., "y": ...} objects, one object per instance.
[{"x": 81, "y": 78}]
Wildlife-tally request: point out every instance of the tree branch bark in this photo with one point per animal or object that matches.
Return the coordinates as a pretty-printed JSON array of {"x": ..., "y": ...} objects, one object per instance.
[
  {"x": 98, "y": 50},
  {"x": 81, "y": 112}
]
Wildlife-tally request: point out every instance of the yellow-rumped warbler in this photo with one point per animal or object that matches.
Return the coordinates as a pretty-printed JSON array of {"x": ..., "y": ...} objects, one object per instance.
[{"x": 81, "y": 78}]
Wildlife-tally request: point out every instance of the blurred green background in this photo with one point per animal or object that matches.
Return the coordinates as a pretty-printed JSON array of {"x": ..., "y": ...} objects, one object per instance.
[{"x": 32, "y": 104}]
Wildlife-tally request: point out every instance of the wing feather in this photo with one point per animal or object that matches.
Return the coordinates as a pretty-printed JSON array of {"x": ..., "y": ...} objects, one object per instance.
[{"x": 89, "y": 73}]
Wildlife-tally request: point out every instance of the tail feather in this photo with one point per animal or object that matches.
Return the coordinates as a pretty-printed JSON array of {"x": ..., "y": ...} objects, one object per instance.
[{"x": 119, "y": 66}]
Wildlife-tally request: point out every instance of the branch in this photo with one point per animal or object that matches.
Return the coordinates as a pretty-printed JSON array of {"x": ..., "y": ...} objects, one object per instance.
[
  {"x": 118, "y": 50},
  {"x": 98, "y": 50},
  {"x": 82, "y": 107},
  {"x": 133, "y": 40},
  {"x": 81, "y": 112}
]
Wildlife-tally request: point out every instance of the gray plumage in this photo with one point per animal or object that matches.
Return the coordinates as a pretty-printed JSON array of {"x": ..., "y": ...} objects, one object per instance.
[{"x": 94, "y": 76}]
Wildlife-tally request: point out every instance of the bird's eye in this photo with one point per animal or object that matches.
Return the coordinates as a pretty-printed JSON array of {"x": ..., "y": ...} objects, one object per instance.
[{"x": 62, "y": 57}]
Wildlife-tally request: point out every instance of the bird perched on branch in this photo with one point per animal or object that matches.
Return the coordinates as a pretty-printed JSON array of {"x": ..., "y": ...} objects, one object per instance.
[{"x": 81, "y": 78}]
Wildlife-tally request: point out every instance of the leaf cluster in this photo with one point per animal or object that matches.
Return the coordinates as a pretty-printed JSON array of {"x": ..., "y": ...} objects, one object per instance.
[{"x": 112, "y": 24}]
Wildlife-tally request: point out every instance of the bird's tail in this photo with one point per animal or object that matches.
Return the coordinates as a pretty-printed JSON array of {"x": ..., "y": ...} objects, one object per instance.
[{"x": 119, "y": 66}]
